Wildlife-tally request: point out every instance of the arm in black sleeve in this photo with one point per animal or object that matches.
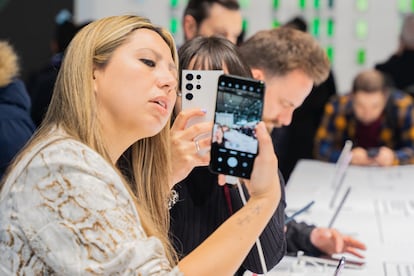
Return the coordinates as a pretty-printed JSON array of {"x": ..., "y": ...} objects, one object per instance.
[
  {"x": 273, "y": 237},
  {"x": 298, "y": 238}
]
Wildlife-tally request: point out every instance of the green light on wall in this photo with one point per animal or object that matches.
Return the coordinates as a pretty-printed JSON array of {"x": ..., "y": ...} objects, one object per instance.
[
  {"x": 330, "y": 27},
  {"x": 174, "y": 3},
  {"x": 362, "y": 5},
  {"x": 174, "y": 25},
  {"x": 316, "y": 4},
  {"x": 276, "y": 23},
  {"x": 412, "y": 5},
  {"x": 330, "y": 53},
  {"x": 403, "y": 5},
  {"x": 316, "y": 22},
  {"x": 302, "y": 4},
  {"x": 244, "y": 4},
  {"x": 361, "y": 29},
  {"x": 245, "y": 24},
  {"x": 361, "y": 56},
  {"x": 276, "y": 4}
]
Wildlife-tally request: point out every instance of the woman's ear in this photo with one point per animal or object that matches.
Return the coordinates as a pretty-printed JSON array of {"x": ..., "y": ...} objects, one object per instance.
[
  {"x": 95, "y": 84},
  {"x": 258, "y": 74}
]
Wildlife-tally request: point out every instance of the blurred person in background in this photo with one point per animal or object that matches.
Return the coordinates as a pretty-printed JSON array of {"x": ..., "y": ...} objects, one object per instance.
[
  {"x": 16, "y": 126},
  {"x": 41, "y": 83},
  {"x": 400, "y": 66},
  {"x": 212, "y": 17},
  {"x": 295, "y": 141},
  {"x": 375, "y": 117}
]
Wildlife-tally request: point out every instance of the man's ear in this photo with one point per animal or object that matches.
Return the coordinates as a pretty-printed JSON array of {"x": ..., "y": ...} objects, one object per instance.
[
  {"x": 189, "y": 27},
  {"x": 258, "y": 74}
]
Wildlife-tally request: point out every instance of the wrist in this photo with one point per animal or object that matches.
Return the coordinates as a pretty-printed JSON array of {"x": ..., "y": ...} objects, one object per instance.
[{"x": 270, "y": 199}]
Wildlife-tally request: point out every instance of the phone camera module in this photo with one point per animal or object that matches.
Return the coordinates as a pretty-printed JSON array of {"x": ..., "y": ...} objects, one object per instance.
[
  {"x": 198, "y": 86},
  {"x": 189, "y": 77},
  {"x": 189, "y": 96},
  {"x": 189, "y": 86},
  {"x": 198, "y": 77}
]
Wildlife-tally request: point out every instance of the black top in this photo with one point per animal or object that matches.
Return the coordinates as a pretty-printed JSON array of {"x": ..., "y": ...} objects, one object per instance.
[
  {"x": 202, "y": 207},
  {"x": 298, "y": 238}
]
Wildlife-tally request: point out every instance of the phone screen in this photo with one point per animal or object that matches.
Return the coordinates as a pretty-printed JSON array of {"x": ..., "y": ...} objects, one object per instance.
[{"x": 239, "y": 107}]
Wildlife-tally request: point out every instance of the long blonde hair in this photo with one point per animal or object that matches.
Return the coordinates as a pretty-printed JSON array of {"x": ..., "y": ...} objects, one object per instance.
[{"x": 73, "y": 108}]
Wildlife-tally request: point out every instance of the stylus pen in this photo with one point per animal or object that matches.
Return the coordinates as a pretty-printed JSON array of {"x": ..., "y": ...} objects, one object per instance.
[
  {"x": 340, "y": 266},
  {"x": 289, "y": 219},
  {"x": 339, "y": 207}
]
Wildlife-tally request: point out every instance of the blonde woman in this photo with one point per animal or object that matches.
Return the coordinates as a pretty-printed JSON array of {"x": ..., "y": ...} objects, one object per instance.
[{"x": 64, "y": 206}]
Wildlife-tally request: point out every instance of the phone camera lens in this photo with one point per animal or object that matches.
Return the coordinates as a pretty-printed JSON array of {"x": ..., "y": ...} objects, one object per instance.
[
  {"x": 198, "y": 86},
  {"x": 189, "y": 76},
  {"x": 189, "y": 86},
  {"x": 189, "y": 96},
  {"x": 198, "y": 77}
]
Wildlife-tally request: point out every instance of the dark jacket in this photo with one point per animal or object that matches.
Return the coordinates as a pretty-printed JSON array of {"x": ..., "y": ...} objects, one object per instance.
[
  {"x": 41, "y": 87},
  {"x": 400, "y": 68},
  {"x": 16, "y": 126},
  {"x": 298, "y": 239}
]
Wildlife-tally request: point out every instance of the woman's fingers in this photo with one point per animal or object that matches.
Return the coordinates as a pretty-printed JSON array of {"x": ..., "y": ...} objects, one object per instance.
[
  {"x": 184, "y": 116},
  {"x": 264, "y": 177}
]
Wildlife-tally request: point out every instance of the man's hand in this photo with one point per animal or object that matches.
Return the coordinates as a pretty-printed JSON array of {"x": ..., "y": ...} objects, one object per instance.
[
  {"x": 330, "y": 241},
  {"x": 385, "y": 157},
  {"x": 360, "y": 157}
]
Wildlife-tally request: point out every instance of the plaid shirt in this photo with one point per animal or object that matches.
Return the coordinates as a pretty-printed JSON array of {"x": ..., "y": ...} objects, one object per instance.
[{"x": 339, "y": 124}]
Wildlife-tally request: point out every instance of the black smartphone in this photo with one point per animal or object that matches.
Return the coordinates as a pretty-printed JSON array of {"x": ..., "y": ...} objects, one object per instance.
[{"x": 239, "y": 107}]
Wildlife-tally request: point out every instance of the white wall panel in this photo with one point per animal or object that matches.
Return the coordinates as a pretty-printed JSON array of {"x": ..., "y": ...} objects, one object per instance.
[{"x": 383, "y": 19}]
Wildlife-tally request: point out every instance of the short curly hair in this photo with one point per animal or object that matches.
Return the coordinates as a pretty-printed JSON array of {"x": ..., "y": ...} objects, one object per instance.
[{"x": 282, "y": 50}]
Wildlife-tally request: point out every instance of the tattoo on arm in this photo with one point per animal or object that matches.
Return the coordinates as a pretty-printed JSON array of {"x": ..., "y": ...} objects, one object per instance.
[{"x": 254, "y": 211}]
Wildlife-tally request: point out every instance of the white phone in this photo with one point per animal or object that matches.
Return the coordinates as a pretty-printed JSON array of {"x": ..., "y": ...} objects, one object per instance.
[{"x": 199, "y": 90}]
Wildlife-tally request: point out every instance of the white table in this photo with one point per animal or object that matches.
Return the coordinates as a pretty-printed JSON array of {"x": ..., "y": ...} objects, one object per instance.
[{"x": 378, "y": 211}]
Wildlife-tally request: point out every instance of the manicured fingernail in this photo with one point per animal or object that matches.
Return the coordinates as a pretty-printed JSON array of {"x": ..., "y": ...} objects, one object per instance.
[{"x": 204, "y": 110}]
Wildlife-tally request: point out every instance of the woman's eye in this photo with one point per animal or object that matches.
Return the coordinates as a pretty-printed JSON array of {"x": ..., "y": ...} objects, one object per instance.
[{"x": 148, "y": 62}]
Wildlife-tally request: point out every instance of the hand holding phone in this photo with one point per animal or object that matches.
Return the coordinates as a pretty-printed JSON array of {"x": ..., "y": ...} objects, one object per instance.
[{"x": 238, "y": 109}]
